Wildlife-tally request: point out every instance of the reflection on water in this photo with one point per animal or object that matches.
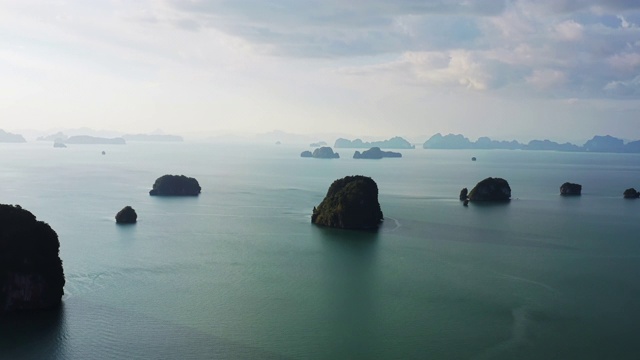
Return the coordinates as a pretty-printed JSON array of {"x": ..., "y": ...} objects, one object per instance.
[
  {"x": 351, "y": 274},
  {"x": 33, "y": 335}
]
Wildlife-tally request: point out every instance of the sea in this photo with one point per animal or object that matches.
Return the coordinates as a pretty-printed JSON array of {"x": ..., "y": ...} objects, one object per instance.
[{"x": 239, "y": 272}]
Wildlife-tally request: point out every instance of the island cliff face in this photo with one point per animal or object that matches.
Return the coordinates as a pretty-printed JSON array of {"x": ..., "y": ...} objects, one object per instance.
[
  {"x": 491, "y": 189},
  {"x": 175, "y": 185},
  {"x": 350, "y": 203},
  {"x": 376, "y": 153},
  {"x": 31, "y": 275},
  {"x": 393, "y": 143}
]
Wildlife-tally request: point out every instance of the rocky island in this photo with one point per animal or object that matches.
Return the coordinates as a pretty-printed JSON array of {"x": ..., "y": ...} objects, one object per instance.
[
  {"x": 325, "y": 152},
  {"x": 570, "y": 189},
  {"x": 350, "y": 203},
  {"x": 175, "y": 185},
  {"x": 631, "y": 193},
  {"x": 376, "y": 153},
  {"x": 126, "y": 216},
  {"x": 393, "y": 143},
  {"x": 31, "y": 275},
  {"x": 7, "y": 137},
  {"x": 306, "y": 153},
  {"x": 490, "y": 189}
]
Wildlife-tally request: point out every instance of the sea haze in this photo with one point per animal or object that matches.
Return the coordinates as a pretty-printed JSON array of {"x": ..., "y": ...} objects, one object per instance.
[{"x": 240, "y": 272}]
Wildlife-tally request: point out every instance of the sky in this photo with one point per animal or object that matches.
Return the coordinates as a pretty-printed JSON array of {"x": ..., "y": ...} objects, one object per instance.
[{"x": 513, "y": 69}]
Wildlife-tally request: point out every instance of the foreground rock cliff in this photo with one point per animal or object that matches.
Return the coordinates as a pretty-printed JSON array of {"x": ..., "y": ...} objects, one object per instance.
[
  {"x": 350, "y": 203},
  {"x": 175, "y": 185},
  {"x": 491, "y": 189},
  {"x": 31, "y": 275}
]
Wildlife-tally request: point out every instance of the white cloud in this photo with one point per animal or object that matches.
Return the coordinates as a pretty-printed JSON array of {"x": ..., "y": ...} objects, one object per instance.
[
  {"x": 569, "y": 30},
  {"x": 546, "y": 78}
]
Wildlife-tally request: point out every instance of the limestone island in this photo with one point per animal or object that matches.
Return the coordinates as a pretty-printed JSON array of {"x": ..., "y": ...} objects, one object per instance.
[
  {"x": 31, "y": 274},
  {"x": 350, "y": 203},
  {"x": 376, "y": 153},
  {"x": 393, "y": 143},
  {"x": 7, "y": 137},
  {"x": 126, "y": 216},
  {"x": 175, "y": 185},
  {"x": 306, "y": 154},
  {"x": 570, "y": 189},
  {"x": 491, "y": 189},
  {"x": 631, "y": 193},
  {"x": 325, "y": 152},
  {"x": 57, "y": 144}
]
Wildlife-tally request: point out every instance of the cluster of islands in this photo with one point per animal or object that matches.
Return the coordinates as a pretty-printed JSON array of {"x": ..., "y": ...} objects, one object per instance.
[{"x": 31, "y": 272}]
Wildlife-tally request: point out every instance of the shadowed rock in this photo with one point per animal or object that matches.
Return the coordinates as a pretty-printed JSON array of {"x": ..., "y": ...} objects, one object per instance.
[
  {"x": 463, "y": 194},
  {"x": 306, "y": 154},
  {"x": 31, "y": 275},
  {"x": 570, "y": 189},
  {"x": 350, "y": 203},
  {"x": 631, "y": 193},
  {"x": 126, "y": 216},
  {"x": 175, "y": 185},
  {"x": 491, "y": 189}
]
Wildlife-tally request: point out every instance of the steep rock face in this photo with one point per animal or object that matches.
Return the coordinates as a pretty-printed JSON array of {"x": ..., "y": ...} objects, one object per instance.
[
  {"x": 350, "y": 203},
  {"x": 126, "y": 216},
  {"x": 175, "y": 185},
  {"x": 491, "y": 189},
  {"x": 631, "y": 193},
  {"x": 570, "y": 189},
  {"x": 325, "y": 152},
  {"x": 463, "y": 194},
  {"x": 375, "y": 153},
  {"x": 31, "y": 274}
]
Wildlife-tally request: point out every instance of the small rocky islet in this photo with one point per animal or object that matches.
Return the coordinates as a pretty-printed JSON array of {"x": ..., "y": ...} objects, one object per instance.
[
  {"x": 350, "y": 203},
  {"x": 126, "y": 216},
  {"x": 175, "y": 185}
]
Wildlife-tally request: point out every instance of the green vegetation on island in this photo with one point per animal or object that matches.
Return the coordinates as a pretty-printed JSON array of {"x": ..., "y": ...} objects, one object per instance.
[
  {"x": 350, "y": 203},
  {"x": 31, "y": 274}
]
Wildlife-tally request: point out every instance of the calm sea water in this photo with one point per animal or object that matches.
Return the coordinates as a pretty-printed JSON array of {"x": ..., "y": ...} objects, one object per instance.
[{"x": 239, "y": 272}]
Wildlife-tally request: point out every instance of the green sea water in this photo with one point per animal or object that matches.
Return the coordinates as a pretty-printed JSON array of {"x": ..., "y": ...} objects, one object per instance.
[{"x": 239, "y": 272}]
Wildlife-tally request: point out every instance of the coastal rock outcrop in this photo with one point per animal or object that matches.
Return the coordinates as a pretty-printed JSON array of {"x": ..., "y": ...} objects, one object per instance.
[
  {"x": 491, "y": 189},
  {"x": 570, "y": 189},
  {"x": 175, "y": 185},
  {"x": 631, "y": 193},
  {"x": 31, "y": 274},
  {"x": 376, "y": 153},
  {"x": 306, "y": 154},
  {"x": 325, "y": 152},
  {"x": 350, "y": 203},
  {"x": 126, "y": 216},
  {"x": 463, "y": 194}
]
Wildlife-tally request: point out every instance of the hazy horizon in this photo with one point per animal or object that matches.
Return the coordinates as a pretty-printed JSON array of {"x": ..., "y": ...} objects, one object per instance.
[{"x": 511, "y": 70}]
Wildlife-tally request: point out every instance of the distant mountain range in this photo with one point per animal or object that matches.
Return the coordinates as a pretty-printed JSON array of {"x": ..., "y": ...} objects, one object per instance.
[{"x": 598, "y": 143}]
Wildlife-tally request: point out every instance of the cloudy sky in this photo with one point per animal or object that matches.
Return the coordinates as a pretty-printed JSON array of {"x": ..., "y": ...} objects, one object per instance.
[{"x": 522, "y": 69}]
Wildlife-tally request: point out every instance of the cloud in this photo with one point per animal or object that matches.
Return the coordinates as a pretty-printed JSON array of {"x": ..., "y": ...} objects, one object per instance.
[
  {"x": 569, "y": 30},
  {"x": 546, "y": 78},
  {"x": 626, "y": 88}
]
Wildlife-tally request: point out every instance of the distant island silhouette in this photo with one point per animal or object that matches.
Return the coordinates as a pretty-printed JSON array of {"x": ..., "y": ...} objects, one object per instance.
[
  {"x": 86, "y": 139},
  {"x": 7, "y": 137},
  {"x": 599, "y": 143},
  {"x": 376, "y": 153},
  {"x": 393, "y": 143}
]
